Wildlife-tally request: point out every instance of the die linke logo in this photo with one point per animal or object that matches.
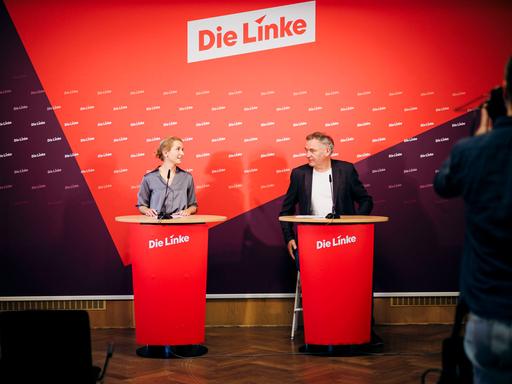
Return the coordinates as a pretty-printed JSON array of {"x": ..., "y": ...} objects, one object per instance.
[
  {"x": 252, "y": 31},
  {"x": 168, "y": 240},
  {"x": 336, "y": 242}
]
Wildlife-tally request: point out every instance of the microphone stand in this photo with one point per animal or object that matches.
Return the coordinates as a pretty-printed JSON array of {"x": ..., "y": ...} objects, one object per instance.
[
  {"x": 333, "y": 214},
  {"x": 163, "y": 214}
]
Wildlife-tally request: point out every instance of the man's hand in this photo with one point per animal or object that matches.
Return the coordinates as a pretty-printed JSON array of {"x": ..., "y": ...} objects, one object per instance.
[
  {"x": 292, "y": 245},
  {"x": 485, "y": 122}
]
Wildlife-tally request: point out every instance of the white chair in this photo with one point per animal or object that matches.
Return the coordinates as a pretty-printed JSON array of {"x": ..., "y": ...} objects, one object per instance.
[{"x": 297, "y": 306}]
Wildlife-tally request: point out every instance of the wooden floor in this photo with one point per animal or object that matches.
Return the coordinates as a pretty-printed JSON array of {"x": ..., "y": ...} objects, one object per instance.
[{"x": 267, "y": 355}]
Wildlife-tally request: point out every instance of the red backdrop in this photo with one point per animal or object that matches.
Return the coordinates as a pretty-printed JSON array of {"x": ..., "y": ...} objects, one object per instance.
[{"x": 117, "y": 78}]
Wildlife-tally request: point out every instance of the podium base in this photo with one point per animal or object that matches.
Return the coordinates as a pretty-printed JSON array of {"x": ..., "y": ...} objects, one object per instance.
[
  {"x": 171, "y": 351},
  {"x": 340, "y": 350}
]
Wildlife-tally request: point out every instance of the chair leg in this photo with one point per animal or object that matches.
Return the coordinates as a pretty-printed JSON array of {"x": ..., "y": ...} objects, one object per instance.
[{"x": 297, "y": 307}]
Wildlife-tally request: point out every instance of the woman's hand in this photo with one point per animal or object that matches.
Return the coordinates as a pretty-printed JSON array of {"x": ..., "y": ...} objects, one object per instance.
[
  {"x": 189, "y": 211},
  {"x": 149, "y": 212}
]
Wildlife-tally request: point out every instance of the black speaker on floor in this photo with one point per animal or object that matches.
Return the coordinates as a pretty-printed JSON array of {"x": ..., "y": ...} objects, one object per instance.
[{"x": 47, "y": 346}]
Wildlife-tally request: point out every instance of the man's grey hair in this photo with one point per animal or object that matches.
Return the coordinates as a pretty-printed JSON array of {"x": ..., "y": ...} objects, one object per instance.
[{"x": 323, "y": 138}]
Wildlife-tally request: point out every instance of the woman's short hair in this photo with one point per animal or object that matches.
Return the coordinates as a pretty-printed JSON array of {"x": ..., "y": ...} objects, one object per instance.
[{"x": 166, "y": 145}]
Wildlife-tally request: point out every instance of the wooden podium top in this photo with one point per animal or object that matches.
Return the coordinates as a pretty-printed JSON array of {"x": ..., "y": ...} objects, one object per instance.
[
  {"x": 192, "y": 219},
  {"x": 344, "y": 219}
]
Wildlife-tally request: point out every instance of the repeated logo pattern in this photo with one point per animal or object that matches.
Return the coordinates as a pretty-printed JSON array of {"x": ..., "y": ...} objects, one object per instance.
[{"x": 240, "y": 145}]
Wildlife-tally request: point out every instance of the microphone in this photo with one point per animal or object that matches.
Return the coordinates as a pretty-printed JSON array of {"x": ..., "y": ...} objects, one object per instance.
[
  {"x": 162, "y": 214},
  {"x": 333, "y": 214}
]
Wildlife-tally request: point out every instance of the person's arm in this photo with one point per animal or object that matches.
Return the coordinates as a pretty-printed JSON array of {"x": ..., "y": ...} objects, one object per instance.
[
  {"x": 288, "y": 208},
  {"x": 147, "y": 211},
  {"x": 143, "y": 199},
  {"x": 485, "y": 123},
  {"x": 188, "y": 211},
  {"x": 447, "y": 182},
  {"x": 291, "y": 247},
  {"x": 191, "y": 200},
  {"x": 359, "y": 194}
]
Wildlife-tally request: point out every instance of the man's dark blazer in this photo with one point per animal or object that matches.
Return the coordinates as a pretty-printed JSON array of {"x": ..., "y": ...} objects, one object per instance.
[{"x": 347, "y": 188}]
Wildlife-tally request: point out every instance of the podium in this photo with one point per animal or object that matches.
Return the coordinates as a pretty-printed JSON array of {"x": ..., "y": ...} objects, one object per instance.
[
  {"x": 336, "y": 272},
  {"x": 169, "y": 262}
]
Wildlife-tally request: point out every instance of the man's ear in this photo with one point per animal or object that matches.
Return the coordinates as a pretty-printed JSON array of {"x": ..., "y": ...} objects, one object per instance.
[{"x": 506, "y": 95}]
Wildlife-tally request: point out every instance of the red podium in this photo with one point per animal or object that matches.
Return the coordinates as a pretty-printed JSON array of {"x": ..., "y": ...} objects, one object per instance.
[
  {"x": 336, "y": 272},
  {"x": 169, "y": 261}
]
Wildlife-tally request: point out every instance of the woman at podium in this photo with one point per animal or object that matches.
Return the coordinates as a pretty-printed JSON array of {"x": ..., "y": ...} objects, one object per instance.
[{"x": 168, "y": 190}]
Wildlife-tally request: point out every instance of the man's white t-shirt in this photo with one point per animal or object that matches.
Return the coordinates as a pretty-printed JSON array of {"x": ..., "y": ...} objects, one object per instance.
[{"x": 321, "y": 194}]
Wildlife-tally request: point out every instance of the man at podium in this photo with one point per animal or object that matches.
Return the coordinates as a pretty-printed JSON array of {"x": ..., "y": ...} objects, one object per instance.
[{"x": 323, "y": 187}]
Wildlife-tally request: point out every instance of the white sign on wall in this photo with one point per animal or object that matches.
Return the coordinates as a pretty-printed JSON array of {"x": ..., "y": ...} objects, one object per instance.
[{"x": 252, "y": 31}]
